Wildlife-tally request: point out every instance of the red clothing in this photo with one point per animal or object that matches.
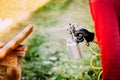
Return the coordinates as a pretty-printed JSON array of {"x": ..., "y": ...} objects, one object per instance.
[{"x": 106, "y": 16}]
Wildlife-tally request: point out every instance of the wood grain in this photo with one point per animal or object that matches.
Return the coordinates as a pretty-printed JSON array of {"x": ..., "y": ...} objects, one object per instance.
[{"x": 14, "y": 43}]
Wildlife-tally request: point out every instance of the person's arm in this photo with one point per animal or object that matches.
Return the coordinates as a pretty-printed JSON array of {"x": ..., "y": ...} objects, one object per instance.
[
  {"x": 95, "y": 39},
  {"x": 86, "y": 34},
  {"x": 107, "y": 31}
]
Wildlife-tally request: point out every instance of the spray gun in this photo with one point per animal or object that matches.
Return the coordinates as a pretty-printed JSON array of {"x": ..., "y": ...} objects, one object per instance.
[
  {"x": 73, "y": 41},
  {"x": 74, "y": 47}
]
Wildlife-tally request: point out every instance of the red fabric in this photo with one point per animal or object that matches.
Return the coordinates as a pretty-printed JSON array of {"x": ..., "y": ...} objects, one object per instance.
[{"x": 106, "y": 16}]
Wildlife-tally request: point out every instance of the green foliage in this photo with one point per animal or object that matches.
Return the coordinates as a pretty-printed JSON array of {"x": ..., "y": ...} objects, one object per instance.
[
  {"x": 58, "y": 5},
  {"x": 45, "y": 61}
]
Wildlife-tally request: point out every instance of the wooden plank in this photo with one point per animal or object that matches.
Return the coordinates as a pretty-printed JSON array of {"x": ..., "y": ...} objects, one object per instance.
[
  {"x": 19, "y": 48},
  {"x": 13, "y": 44}
]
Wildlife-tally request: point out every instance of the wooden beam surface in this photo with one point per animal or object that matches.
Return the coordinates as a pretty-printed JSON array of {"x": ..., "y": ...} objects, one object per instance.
[{"x": 14, "y": 43}]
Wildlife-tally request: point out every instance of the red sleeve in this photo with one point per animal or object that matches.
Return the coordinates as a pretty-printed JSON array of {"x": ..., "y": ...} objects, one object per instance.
[{"x": 107, "y": 33}]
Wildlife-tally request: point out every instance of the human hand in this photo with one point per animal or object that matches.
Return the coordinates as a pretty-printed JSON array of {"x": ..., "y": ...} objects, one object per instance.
[{"x": 82, "y": 34}]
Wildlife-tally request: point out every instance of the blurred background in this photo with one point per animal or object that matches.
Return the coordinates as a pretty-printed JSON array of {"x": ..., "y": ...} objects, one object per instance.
[{"x": 47, "y": 57}]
